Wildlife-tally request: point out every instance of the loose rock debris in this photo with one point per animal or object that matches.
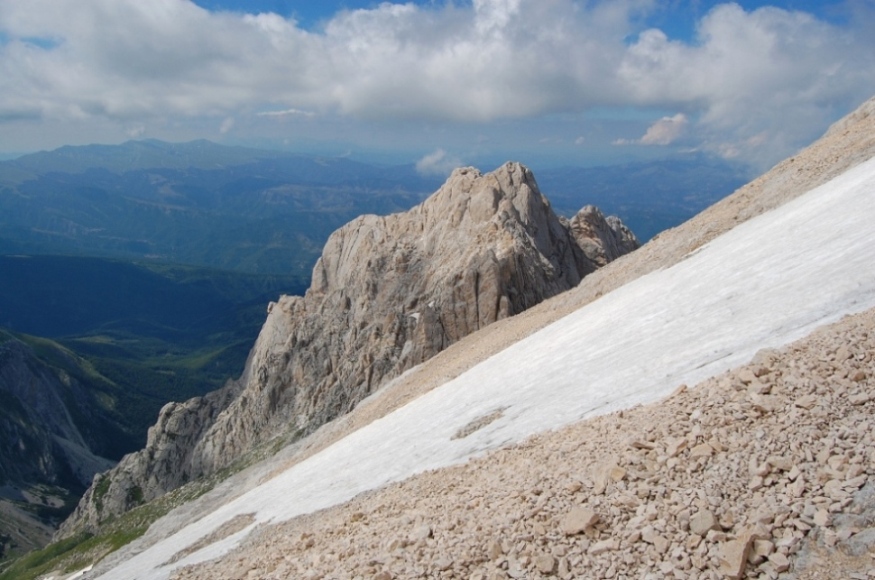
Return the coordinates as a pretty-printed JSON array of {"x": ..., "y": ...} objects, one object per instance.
[{"x": 751, "y": 474}]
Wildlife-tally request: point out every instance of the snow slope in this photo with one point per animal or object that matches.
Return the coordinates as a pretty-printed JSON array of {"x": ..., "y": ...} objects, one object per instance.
[{"x": 765, "y": 283}]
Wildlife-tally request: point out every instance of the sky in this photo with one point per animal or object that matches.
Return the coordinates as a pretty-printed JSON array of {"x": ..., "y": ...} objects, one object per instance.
[{"x": 439, "y": 83}]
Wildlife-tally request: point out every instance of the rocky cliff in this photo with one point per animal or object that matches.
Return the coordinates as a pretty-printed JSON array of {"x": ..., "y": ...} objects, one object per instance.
[
  {"x": 44, "y": 443},
  {"x": 387, "y": 294},
  {"x": 50, "y": 428}
]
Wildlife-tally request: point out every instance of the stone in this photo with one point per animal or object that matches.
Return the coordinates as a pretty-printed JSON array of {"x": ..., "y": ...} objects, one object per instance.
[
  {"x": 545, "y": 564},
  {"x": 782, "y": 463},
  {"x": 822, "y": 518},
  {"x": 806, "y": 402},
  {"x": 494, "y": 550},
  {"x": 703, "y": 450},
  {"x": 675, "y": 446},
  {"x": 602, "y": 547},
  {"x": 733, "y": 558},
  {"x": 421, "y": 533},
  {"x": 860, "y": 399},
  {"x": 443, "y": 563},
  {"x": 703, "y": 522},
  {"x": 578, "y": 520},
  {"x": 747, "y": 376},
  {"x": 780, "y": 562}
]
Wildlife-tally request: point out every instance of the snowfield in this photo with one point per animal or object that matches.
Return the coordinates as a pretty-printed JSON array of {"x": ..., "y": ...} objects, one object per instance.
[{"x": 765, "y": 283}]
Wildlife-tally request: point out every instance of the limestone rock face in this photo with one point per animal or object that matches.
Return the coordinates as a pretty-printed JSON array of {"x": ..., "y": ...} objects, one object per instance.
[
  {"x": 387, "y": 294},
  {"x": 162, "y": 466},
  {"x": 602, "y": 239}
]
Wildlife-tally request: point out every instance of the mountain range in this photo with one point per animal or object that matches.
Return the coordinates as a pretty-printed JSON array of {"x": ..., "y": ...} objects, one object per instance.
[
  {"x": 750, "y": 466},
  {"x": 123, "y": 338},
  {"x": 255, "y": 211},
  {"x": 698, "y": 493}
]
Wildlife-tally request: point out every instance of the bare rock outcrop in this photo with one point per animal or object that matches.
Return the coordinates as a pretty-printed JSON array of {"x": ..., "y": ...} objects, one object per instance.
[
  {"x": 387, "y": 294},
  {"x": 602, "y": 239}
]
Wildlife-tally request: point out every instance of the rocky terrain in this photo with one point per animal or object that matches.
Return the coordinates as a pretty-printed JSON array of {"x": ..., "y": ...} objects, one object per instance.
[
  {"x": 733, "y": 478},
  {"x": 51, "y": 431},
  {"x": 44, "y": 442},
  {"x": 813, "y": 372},
  {"x": 387, "y": 294}
]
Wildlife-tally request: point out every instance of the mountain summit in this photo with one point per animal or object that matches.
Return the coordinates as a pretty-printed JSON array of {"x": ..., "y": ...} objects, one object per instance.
[{"x": 387, "y": 294}]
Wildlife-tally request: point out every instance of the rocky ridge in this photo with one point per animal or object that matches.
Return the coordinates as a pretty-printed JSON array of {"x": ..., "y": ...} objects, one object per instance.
[
  {"x": 387, "y": 294},
  {"x": 751, "y": 474},
  {"x": 755, "y": 473},
  {"x": 846, "y": 144}
]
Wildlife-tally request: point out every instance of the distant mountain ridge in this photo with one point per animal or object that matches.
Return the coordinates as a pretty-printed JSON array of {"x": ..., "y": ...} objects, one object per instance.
[
  {"x": 57, "y": 433},
  {"x": 265, "y": 211},
  {"x": 90, "y": 350},
  {"x": 195, "y": 203},
  {"x": 649, "y": 196}
]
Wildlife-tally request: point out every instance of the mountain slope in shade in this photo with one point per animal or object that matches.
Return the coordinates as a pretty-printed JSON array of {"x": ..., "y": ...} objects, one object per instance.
[
  {"x": 766, "y": 282},
  {"x": 56, "y": 436}
]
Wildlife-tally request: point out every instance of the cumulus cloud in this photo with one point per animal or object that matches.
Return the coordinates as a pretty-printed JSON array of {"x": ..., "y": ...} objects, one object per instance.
[
  {"x": 663, "y": 132},
  {"x": 770, "y": 72},
  {"x": 439, "y": 162}
]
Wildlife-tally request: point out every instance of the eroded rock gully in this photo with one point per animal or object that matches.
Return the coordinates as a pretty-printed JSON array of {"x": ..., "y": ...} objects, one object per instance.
[{"x": 756, "y": 473}]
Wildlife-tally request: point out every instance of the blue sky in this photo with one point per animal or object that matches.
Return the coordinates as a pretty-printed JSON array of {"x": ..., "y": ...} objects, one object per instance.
[
  {"x": 675, "y": 17},
  {"x": 438, "y": 83}
]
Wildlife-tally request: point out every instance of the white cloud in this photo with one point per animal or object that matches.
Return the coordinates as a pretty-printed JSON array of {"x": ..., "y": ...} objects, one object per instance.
[
  {"x": 438, "y": 163},
  {"x": 226, "y": 125},
  {"x": 135, "y": 131},
  {"x": 665, "y": 131},
  {"x": 286, "y": 113},
  {"x": 771, "y": 72}
]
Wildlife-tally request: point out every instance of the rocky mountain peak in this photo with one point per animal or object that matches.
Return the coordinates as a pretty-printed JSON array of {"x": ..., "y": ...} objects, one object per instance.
[{"x": 388, "y": 293}]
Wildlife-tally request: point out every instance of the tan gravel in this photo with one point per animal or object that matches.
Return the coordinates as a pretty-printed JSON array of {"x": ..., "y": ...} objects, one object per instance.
[{"x": 725, "y": 480}]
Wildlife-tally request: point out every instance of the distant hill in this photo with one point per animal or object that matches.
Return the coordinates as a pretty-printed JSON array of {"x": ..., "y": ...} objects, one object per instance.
[
  {"x": 158, "y": 332},
  {"x": 251, "y": 210},
  {"x": 90, "y": 350},
  {"x": 197, "y": 203},
  {"x": 648, "y": 196}
]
